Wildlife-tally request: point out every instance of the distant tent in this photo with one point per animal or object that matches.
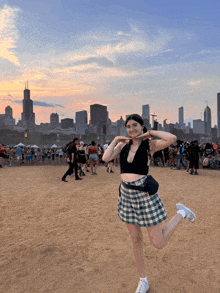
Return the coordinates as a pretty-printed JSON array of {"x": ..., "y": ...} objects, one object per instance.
[
  {"x": 35, "y": 146},
  {"x": 20, "y": 144},
  {"x": 54, "y": 146}
]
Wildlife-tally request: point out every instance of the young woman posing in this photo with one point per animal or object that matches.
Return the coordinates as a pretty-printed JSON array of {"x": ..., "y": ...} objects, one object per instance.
[{"x": 137, "y": 208}]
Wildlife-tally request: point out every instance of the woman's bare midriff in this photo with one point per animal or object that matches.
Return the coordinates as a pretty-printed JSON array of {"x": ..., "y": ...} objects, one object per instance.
[{"x": 129, "y": 177}]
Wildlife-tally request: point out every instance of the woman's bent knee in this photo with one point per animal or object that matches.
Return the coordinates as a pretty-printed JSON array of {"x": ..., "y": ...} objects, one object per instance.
[
  {"x": 156, "y": 236},
  {"x": 157, "y": 245}
]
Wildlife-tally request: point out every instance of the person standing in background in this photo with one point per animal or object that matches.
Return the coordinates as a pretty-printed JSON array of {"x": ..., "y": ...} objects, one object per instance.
[
  {"x": 93, "y": 157},
  {"x": 72, "y": 160},
  {"x": 194, "y": 157},
  {"x": 82, "y": 158}
]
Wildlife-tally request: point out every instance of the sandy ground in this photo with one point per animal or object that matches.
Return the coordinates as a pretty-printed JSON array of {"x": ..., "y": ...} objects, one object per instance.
[{"x": 66, "y": 237}]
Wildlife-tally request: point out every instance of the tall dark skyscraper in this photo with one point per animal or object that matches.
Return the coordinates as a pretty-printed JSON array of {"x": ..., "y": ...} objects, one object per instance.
[
  {"x": 28, "y": 116},
  {"x": 146, "y": 112},
  {"x": 218, "y": 113},
  {"x": 181, "y": 116},
  {"x": 207, "y": 119},
  {"x": 98, "y": 117}
]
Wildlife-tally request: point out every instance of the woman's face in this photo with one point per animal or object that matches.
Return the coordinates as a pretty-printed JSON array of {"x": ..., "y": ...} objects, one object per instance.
[{"x": 134, "y": 128}]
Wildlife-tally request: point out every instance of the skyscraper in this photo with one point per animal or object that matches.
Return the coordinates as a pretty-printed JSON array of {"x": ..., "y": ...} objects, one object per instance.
[
  {"x": 8, "y": 111},
  {"x": 28, "y": 116},
  {"x": 146, "y": 112},
  {"x": 54, "y": 120},
  {"x": 181, "y": 116},
  {"x": 81, "y": 122},
  {"x": 207, "y": 119},
  {"x": 218, "y": 113},
  {"x": 98, "y": 117}
]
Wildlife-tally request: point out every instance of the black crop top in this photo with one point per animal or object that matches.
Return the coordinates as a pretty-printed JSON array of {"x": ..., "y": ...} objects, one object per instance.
[{"x": 139, "y": 163}]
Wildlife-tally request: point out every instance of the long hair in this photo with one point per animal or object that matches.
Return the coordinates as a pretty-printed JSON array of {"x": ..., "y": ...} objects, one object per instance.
[
  {"x": 93, "y": 143},
  {"x": 138, "y": 119}
]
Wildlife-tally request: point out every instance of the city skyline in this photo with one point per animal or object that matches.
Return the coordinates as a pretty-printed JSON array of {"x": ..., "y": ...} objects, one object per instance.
[
  {"x": 145, "y": 111},
  {"x": 122, "y": 55}
]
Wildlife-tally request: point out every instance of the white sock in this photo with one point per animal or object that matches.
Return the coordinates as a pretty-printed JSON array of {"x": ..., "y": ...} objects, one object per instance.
[
  {"x": 182, "y": 213},
  {"x": 144, "y": 279}
]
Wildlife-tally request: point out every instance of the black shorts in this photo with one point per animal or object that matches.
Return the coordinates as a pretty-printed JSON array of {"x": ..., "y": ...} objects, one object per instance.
[
  {"x": 194, "y": 163},
  {"x": 82, "y": 159}
]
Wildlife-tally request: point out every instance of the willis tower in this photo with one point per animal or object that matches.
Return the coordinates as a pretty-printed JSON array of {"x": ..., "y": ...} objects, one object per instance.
[{"x": 28, "y": 117}]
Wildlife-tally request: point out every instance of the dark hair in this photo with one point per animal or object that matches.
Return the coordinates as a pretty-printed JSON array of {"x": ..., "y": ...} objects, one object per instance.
[
  {"x": 139, "y": 119},
  {"x": 93, "y": 143},
  {"x": 75, "y": 139},
  {"x": 136, "y": 118}
]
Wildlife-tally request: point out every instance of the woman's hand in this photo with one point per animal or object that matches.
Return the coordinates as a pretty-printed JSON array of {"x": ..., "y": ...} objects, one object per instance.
[
  {"x": 123, "y": 139},
  {"x": 145, "y": 135}
]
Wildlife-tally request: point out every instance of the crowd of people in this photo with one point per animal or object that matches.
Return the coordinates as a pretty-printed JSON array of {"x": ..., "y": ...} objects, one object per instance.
[{"x": 189, "y": 156}]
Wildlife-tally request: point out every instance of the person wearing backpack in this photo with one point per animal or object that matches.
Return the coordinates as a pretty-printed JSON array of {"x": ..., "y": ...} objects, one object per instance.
[{"x": 180, "y": 155}]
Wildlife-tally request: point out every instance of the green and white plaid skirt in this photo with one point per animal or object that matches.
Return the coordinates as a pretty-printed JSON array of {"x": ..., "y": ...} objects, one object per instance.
[{"x": 138, "y": 207}]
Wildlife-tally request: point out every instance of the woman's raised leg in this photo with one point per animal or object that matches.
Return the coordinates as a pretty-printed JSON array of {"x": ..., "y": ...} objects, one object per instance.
[{"x": 159, "y": 235}]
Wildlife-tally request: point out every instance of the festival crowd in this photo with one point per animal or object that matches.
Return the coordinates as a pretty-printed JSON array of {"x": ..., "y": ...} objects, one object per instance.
[{"x": 85, "y": 158}]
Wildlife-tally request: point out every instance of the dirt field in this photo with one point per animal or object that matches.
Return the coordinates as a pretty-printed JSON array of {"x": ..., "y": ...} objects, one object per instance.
[{"x": 66, "y": 237}]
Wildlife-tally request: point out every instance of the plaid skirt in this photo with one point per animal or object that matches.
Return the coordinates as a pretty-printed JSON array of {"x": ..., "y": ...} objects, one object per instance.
[{"x": 138, "y": 207}]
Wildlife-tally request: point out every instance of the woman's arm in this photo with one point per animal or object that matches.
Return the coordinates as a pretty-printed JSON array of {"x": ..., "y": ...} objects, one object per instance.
[
  {"x": 166, "y": 140},
  {"x": 114, "y": 149}
]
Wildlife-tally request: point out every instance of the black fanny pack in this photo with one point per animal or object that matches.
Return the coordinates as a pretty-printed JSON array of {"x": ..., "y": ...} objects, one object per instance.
[{"x": 150, "y": 185}]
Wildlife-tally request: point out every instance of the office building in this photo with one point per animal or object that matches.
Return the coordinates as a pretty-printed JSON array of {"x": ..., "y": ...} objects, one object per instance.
[
  {"x": 207, "y": 119},
  {"x": 54, "y": 120},
  {"x": 28, "y": 116},
  {"x": 99, "y": 117},
  {"x": 8, "y": 111},
  {"x": 199, "y": 126},
  {"x": 181, "y": 118},
  {"x": 81, "y": 122},
  {"x": 6, "y": 120},
  {"x": 218, "y": 114},
  {"x": 146, "y": 112},
  {"x": 66, "y": 123}
]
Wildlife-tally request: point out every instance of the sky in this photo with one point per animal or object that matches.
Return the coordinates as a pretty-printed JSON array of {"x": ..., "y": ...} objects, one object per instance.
[{"x": 121, "y": 54}]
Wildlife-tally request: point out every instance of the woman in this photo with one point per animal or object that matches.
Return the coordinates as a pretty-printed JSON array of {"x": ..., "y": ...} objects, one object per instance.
[
  {"x": 82, "y": 158},
  {"x": 137, "y": 208},
  {"x": 93, "y": 157}
]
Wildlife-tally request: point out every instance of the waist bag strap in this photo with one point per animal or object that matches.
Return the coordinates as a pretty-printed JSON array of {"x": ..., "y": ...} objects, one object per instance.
[{"x": 133, "y": 186}]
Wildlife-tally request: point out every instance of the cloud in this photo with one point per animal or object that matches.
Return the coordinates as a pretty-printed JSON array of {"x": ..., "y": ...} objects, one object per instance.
[
  {"x": 40, "y": 104},
  {"x": 8, "y": 33},
  {"x": 101, "y": 61}
]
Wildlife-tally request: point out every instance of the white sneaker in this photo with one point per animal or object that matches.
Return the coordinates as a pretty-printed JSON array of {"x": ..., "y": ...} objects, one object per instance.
[
  {"x": 190, "y": 216},
  {"x": 143, "y": 287}
]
